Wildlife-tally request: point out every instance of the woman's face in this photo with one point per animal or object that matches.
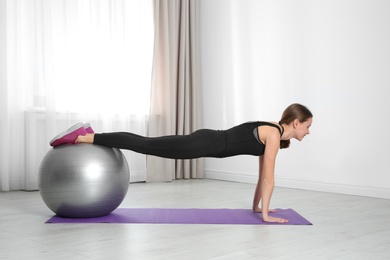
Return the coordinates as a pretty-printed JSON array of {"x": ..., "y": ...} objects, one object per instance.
[{"x": 302, "y": 128}]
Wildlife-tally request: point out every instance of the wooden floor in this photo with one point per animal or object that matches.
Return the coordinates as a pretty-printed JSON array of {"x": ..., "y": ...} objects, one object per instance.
[{"x": 345, "y": 227}]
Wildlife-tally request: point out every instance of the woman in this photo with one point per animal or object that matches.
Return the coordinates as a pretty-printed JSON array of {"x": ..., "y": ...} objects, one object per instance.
[{"x": 262, "y": 139}]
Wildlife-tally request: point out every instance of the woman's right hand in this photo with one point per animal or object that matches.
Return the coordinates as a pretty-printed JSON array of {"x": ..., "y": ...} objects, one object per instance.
[{"x": 274, "y": 220}]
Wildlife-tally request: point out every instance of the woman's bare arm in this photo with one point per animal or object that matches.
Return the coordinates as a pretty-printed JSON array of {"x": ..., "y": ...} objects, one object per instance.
[
  {"x": 257, "y": 195},
  {"x": 267, "y": 178}
]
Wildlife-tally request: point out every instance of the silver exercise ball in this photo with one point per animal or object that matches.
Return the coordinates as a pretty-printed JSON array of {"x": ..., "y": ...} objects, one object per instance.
[{"x": 83, "y": 180}]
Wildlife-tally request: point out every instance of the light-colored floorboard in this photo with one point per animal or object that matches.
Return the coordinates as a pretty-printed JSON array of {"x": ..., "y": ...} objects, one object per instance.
[{"x": 345, "y": 227}]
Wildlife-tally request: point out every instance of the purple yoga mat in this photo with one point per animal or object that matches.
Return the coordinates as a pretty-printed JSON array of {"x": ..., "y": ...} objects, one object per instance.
[{"x": 187, "y": 216}]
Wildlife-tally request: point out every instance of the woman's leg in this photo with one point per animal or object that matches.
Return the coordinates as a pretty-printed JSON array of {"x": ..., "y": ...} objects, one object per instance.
[{"x": 201, "y": 143}]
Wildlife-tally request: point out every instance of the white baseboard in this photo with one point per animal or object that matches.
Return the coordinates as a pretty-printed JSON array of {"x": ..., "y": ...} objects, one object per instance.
[
  {"x": 304, "y": 185},
  {"x": 228, "y": 176}
]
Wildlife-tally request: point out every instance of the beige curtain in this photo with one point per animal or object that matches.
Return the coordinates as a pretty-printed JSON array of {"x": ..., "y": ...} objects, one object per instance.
[{"x": 175, "y": 94}]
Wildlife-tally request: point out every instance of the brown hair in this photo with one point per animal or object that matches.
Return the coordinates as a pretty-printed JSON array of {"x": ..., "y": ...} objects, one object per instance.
[{"x": 292, "y": 112}]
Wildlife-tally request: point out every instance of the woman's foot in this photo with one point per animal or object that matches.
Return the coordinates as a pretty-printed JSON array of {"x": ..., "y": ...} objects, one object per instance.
[
  {"x": 87, "y": 139},
  {"x": 69, "y": 136}
]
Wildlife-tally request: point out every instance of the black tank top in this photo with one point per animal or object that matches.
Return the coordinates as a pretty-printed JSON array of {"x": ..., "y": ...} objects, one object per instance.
[
  {"x": 242, "y": 139},
  {"x": 256, "y": 133}
]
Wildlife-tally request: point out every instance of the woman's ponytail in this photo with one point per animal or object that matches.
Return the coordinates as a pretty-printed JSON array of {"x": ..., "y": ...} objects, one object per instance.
[{"x": 284, "y": 144}]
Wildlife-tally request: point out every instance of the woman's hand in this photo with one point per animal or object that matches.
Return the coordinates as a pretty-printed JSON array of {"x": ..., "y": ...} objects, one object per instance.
[{"x": 274, "y": 220}]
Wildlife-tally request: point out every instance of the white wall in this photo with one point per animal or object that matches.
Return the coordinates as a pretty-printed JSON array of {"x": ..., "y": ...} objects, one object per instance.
[{"x": 333, "y": 56}]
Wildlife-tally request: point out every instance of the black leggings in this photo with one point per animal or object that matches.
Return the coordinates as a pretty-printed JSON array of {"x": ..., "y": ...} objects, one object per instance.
[{"x": 201, "y": 143}]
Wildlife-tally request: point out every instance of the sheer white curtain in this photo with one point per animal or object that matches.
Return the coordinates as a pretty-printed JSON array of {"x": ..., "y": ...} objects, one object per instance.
[{"x": 64, "y": 61}]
